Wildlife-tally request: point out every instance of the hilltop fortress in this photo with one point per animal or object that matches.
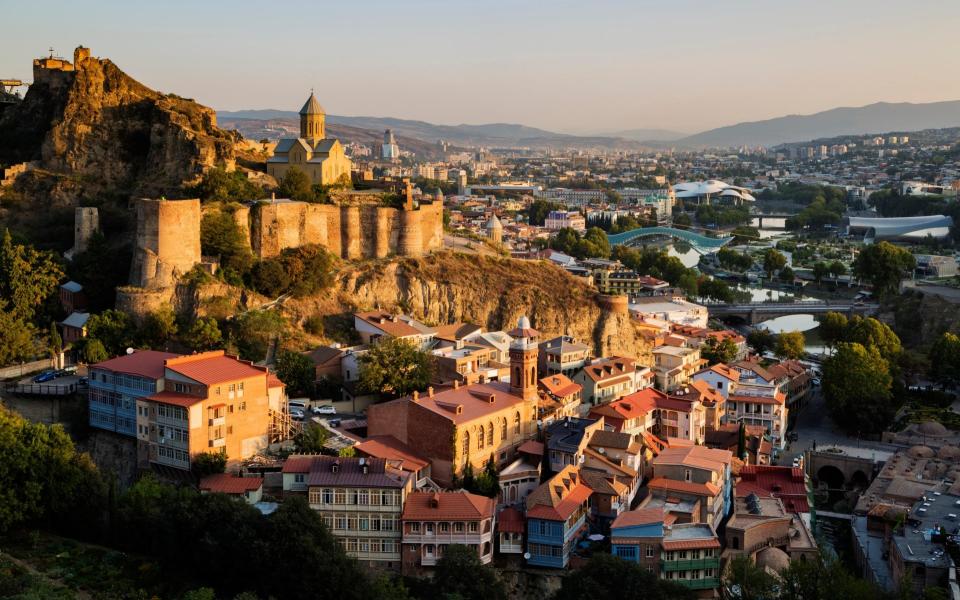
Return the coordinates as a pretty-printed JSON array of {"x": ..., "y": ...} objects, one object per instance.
[{"x": 355, "y": 225}]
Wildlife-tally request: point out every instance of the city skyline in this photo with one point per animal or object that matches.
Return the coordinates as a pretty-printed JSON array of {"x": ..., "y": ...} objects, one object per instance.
[{"x": 688, "y": 67}]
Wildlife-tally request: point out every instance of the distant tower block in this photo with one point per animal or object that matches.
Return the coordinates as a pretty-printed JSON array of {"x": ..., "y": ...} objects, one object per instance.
[
  {"x": 86, "y": 222},
  {"x": 462, "y": 182},
  {"x": 167, "y": 243}
]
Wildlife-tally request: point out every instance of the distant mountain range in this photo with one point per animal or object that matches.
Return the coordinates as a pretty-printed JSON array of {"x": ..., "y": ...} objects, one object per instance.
[{"x": 874, "y": 118}]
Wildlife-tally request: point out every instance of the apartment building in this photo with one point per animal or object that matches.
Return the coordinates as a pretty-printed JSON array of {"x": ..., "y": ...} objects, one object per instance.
[
  {"x": 563, "y": 355},
  {"x": 559, "y": 398},
  {"x": 758, "y": 400},
  {"x": 698, "y": 475},
  {"x": 115, "y": 385},
  {"x": 557, "y": 518},
  {"x": 674, "y": 365},
  {"x": 607, "y": 379},
  {"x": 566, "y": 440},
  {"x": 209, "y": 402},
  {"x": 433, "y": 521},
  {"x": 360, "y": 499}
]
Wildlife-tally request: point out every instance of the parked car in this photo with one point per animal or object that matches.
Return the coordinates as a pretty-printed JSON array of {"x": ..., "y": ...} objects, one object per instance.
[
  {"x": 45, "y": 377},
  {"x": 297, "y": 414},
  {"x": 334, "y": 422},
  {"x": 83, "y": 381},
  {"x": 326, "y": 409},
  {"x": 816, "y": 382},
  {"x": 300, "y": 405}
]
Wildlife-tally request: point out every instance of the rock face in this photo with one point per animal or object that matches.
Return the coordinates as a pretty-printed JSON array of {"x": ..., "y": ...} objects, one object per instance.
[
  {"x": 94, "y": 130},
  {"x": 446, "y": 287}
]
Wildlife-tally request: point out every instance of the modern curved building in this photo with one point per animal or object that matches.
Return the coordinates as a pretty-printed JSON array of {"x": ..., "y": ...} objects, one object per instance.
[
  {"x": 899, "y": 228},
  {"x": 703, "y": 191}
]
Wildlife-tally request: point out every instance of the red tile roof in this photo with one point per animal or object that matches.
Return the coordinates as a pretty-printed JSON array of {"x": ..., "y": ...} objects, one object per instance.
[
  {"x": 447, "y": 506},
  {"x": 298, "y": 463},
  {"x": 144, "y": 363},
  {"x": 778, "y": 398},
  {"x": 690, "y": 544},
  {"x": 560, "y": 385},
  {"x": 175, "y": 399},
  {"x": 469, "y": 402},
  {"x": 641, "y": 516},
  {"x": 610, "y": 368},
  {"x": 389, "y": 447},
  {"x": 671, "y": 485},
  {"x": 225, "y": 483},
  {"x": 350, "y": 473},
  {"x": 274, "y": 382},
  {"x": 531, "y": 447},
  {"x": 768, "y": 481},
  {"x": 510, "y": 520},
  {"x": 214, "y": 367},
  {"x": 558, "y": 498}
]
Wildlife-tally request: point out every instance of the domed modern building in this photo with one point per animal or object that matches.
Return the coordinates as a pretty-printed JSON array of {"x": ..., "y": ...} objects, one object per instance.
[
  {"x": 703, "y": 191},
  {"x": 899, "y": 228}
]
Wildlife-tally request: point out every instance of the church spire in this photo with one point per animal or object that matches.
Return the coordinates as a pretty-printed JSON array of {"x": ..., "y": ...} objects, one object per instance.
[{"x": 312, "y": 119}]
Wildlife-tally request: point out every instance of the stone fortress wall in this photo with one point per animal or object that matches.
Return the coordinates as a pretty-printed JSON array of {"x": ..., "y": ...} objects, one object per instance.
[{"x": 167, "y": 244}]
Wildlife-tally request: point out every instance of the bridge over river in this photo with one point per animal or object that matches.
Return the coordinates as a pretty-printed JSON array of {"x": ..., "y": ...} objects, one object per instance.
[
  {"x": 698, "y": 241},
  {"x": 758, "y": 312}
]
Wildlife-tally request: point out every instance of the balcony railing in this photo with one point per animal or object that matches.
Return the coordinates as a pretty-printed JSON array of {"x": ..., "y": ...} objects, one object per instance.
[
  {"x": 707, "y": 583},
  {"x": 690, "y": 564},
  {"x": 218, "y": 442},
  {"x": 446, "y": 538},
  {"x": 216, "y": 422}
]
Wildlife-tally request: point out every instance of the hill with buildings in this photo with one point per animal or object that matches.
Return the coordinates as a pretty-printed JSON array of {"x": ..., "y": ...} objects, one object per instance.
[{"x": 873, "y": 118}]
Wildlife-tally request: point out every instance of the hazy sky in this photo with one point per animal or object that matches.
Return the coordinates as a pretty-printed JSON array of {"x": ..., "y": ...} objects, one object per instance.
[{"x": 588, "y": 65}]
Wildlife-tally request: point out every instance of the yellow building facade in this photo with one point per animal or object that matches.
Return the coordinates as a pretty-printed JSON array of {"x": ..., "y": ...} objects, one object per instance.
[{"x": 323, "y": 159}]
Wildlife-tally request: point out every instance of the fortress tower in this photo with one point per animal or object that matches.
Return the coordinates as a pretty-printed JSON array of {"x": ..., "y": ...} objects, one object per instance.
[
  {"x": 86, "y": 222},
  {"x": 167, "y": 243}
]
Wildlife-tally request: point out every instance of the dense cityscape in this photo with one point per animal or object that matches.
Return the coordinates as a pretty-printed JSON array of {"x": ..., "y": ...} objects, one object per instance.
[{"x": 287, "y": 354}]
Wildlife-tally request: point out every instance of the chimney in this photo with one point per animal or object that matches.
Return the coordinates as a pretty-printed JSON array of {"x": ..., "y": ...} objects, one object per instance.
[
  {"x": 335, "y": 467},
  {"x": 430, "y": 391},
  {"x": 492, "y": 398},
  {"x": 435, "y": 500},
  {"x": 364, "y": 467},
  {"x": 416, "y": 395},
  {"x": 456, "y": 384}
]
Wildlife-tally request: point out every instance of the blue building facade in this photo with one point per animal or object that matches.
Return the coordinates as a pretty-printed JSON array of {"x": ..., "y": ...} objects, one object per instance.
[
  {"x": 116, "y": 384},
  {"x": 557, "y": 519},
  {"x": 625, "y": 541}
]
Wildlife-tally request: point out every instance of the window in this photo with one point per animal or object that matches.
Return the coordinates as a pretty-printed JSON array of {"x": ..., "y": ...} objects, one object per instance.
[
  {"x": 480, "y": 439},
  {"x": 474, "y": 527},
  {"x": 327, "y": 496},
  {"x": 415, "y": 527},
  {"x": 648, "y": 551},
  {"x": 363, "y": 497},
  {"x": 466, "y": 444},
  {"x": 686, "y": 475},
  {"x": 299, "y": 477},
  {"x": 339, "y": 496},
  {"x": 516, "y": 423},
  {"x": 503, "y": 429},
  {"x": 444, "y": 527},
  {"x": 314, "y": 497},
  {"x": 490, "y": 434}
]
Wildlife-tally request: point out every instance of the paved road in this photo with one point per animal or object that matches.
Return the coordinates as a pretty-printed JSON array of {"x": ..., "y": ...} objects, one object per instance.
[{"x": 814, "y": 425}]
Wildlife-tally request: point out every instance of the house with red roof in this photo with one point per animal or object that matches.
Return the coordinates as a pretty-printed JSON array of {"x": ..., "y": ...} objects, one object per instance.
[
  {"x": 607, "y": 379},
  {"x": 391, "y": 449},
  {"x": 433, "y": 521},
  {"x": 557, "y": 518},
  {"x": 560, "y": 397},
  {"x": 115, "y": 385},
  {"x": 695, "y": 475},
  {"x": 635, "y": 413},
  {"x": 250, "y": 489},
  {"x": 789, "y": 484},
  {"x": 510, "y": 528}
]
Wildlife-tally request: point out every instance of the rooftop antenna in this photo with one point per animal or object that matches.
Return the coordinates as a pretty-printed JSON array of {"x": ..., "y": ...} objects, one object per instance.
[{"x": 51, "y": 51}]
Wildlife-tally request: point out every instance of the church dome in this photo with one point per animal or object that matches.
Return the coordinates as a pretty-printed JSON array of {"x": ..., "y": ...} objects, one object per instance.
[
  {"x": 494, "y": 223},
  {"x": 523, "y": 323},
  {"x": 921, "y": 452},
  {"x": 773, "y": 558},
  {"x": 932, "y": 428},
  {"x": 312, "y": 106}
]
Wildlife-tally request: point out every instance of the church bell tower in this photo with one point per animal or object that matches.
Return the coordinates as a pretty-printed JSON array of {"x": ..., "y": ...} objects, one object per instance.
[
  {"x": 523, "y": 360},
  {"x": 313, "y": 120}
]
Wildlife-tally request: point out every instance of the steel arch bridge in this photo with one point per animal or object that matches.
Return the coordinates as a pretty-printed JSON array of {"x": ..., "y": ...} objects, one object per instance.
[{"x": 694, "y": 239}]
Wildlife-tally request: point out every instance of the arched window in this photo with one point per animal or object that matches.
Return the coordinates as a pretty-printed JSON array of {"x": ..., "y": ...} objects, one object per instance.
[
  {"x": 516, "y": 376},
  {"x": 503, "y": 429},
  {"x": 490, "y": 433},
  {"x": 466, "y": 444},
  {"x": 516, "y": 423},
  {"x": 480, "y": 439}
]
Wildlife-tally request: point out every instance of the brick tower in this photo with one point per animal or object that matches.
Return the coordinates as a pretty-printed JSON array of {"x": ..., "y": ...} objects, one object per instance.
[{"x": 523, "y": 360}]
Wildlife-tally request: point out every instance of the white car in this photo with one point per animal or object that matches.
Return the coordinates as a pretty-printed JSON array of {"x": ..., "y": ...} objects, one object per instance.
[
  {"x": 297, "y": 414},
  {"x": 326, "y": 409}
]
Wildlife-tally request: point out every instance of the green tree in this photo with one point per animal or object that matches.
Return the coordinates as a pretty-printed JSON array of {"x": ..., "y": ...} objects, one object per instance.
[
  {"x": 28, "y": 278},
  {"x": 296, "y": 185},
  {"x": 790, "y": 345},
  {"x": 733, "y": 260},
  {"x": 773, "y": 261},
  {"x": 761, "y": 340},
  {"x": 115, "y": 329},
  {"x": 218, "y": 184},
  {"x": 742, "y": 441},
  {"x": 945, "y": 360},
  {"x": 787, "y": 275},
  {"x": 297, "y": 371},
  {"x": 539, "y": 209},
  {"x": 605, "y": 576},
  {"x": 682, "y": 221},
  {"x": 857, "y": 387},
  {"x": 159, "y": 327},
  {"x": 17, "y": 337},
  {"x": 837, "y": 269},
  {"x": 209, "y": 463},
  {"x": 820, "y": 270},
  {"x": 311, "y": 439},
  {"x": 869, "y": 332},
  {"x": 395, "y": 366},
  {"x": 883, "y": 265},
  {"x": 833, "y": 328},
  {"x": 55, "y": 343},
  {"x": 203, "y": 334},
  {"x": 254, "y": 331},
  {"x": 94, "y": 352},
  {"x": 746, "y": 581},
  {"x": 103, "y": 267},
  {"x": 347, "y": 452},
  {"x": 724, "y": 351},
  {"x": 460, "y": 574},
  {"x": 221, "y": 236}
]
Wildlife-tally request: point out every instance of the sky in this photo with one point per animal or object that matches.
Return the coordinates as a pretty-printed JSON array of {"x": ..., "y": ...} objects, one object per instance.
[{"x": 580, "y": 67}]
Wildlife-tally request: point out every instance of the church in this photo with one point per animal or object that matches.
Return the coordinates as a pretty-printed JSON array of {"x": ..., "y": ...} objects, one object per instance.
[{"x": 323, "y": 159}]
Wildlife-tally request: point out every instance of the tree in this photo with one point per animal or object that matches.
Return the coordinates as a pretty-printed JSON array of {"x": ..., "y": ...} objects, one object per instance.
[
  {"x": 773, "y": 261},
  {"x": 790, "y": 345},
  {"x": 158, "y": 327},
  {"x": 820, "y": 270},
  {"x": 605, "y": 576},
  {"x": 539, "y": 209},
  {"x": 254, "y": 331},
  {"x": 203, "y": 334},
  {"x": 857, "y": 387},
  {"x": 395, "y": 366},
  {"x": 723, "y": 351},
  {"x": 55, "y": 343},
  {"x": 870, "y": 332},
  {"x": 94, "y": 352},
  {"x": 945, "y": 360},
  {"x": 347, "y": 452},
  {"x": 218, "y": 184},
  {"x": 27, "y": 277},
  {"x": 746, "y": 581},
  {"x": 682, "y": 221},
  {"x": 837, "y": 269},
  {"x": 733, "y": 260},
  {"x": 102, "y": 268},
  {"x": 209, "y": 463},
  {"x": 221, "y": 235},
  {"x": 833, "y": 328},
  {"x": 16, "y": 337},
  {"x": 787, "y": 275},
  {"x": 883, "y": 265},
  {"x": 460, "y": 574},
  {"x": 114, "y": 328},
  {"x": 761, "y": 340},
  {"x": 742, "y": 441},
  {"x": 297, "y": 371},
  {"x": 311, "y": 439},
  {"x": 296, "y": 185}
]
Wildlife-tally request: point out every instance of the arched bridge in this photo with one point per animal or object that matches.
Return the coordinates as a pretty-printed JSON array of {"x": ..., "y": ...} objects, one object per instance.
[
  {"x": 758, "y": 312},
  {"x": 694, "y": 239}
]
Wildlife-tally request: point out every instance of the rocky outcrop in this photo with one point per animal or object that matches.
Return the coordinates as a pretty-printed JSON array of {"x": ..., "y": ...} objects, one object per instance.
[
  {"x": 94, "y": 130},
  {"x": 446, "y": 287}
]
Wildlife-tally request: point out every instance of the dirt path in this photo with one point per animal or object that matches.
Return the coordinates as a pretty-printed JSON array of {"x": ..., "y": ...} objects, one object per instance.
[{"x": 80, "y": 594}]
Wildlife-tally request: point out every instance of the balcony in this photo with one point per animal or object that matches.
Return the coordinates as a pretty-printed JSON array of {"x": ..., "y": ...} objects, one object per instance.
[
  {"x": 216, "y": 422},
  {"x": 690, "y": 564},
  {"x": 464, "y": 538},
  {"x": 707, "y": 583},
  {"x": 218, "y": 442}
]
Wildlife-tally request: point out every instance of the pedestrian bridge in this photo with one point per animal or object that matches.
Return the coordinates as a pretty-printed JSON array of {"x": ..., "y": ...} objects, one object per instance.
[
  {"x": 758, "y": 312},
  {"x": 694, "y": 239}
]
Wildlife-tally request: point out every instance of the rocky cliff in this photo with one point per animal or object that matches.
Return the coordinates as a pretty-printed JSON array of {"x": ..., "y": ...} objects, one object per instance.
[
  {"x": 493, "y": 292},
  {"x": 92, "y": 130}
]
